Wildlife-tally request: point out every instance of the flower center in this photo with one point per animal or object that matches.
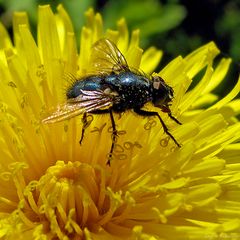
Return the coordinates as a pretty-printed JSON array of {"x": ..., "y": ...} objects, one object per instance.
[{"x": 71, "y": 198}]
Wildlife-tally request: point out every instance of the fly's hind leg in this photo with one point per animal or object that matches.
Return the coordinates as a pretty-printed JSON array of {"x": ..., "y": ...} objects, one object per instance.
[
  {"x": 146, "y": 113},
  {"x": 114, "y": 131},
  {"x": 85, "y": 124}
]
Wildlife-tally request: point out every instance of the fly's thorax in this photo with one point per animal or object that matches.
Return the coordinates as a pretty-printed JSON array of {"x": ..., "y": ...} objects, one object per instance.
[
  {"x": 133, "y": 90},
  {"x": 162, "y": 93},
  {"x": 134, "y": 79}
]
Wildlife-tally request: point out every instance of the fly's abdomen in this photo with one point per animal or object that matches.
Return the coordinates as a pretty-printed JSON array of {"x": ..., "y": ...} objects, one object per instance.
[{"x": 91, "y": 83}]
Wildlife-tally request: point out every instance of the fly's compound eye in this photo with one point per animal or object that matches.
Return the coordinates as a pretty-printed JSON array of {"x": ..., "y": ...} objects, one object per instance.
[
  {"x": 162, "y": 93},
  {"x": 171, "y": 93},
  {"x": 157, "y": 82}
]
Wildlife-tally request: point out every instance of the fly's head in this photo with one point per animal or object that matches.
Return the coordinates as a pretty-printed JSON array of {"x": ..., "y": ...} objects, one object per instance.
[{"x": 162, "y": 94}]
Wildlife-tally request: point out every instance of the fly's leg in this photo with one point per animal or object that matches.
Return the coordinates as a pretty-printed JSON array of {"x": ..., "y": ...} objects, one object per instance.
[
  {"x": 114, "y": 131},
  {"x": 86, "y": 121},
  {"x": 146, "y": 113},
  {"x": 173, "y": 118},
  {"x": 114, "y": 137},
  {"x": 84, "y": 126},
  {"x": 167, "y": 110}
]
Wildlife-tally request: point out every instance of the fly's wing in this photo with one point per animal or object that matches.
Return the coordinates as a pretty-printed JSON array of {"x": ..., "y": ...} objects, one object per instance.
[
  {"x": 86, "y": 102},
  {"x": 106, "y": 58}
]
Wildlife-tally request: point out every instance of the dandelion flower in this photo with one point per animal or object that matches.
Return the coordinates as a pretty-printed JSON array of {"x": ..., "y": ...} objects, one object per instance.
[{"x": 53, "y": 188}]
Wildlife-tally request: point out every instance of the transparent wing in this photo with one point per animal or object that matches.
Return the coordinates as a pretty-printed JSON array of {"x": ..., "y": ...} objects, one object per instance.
[
  {"x": 88, "y": 101},
  {"x": 106, "y": 58}
]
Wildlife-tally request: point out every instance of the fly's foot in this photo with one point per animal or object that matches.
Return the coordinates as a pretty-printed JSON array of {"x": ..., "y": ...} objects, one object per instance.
[{"x": 109, "y": 160}]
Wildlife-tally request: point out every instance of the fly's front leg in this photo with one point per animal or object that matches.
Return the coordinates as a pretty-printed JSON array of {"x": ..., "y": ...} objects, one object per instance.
[
  {"x": 167, "y": 110},
  {"x": 173, "y": 118},
  {"x": 114, "y": 131},
  {"x": 146, "y": 113}
]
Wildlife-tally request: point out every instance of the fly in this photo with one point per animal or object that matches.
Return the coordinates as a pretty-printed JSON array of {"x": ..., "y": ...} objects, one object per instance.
[{"x": 111, "y": 88}]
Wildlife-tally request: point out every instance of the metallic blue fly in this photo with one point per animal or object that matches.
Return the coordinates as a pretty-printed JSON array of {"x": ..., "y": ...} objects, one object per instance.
[{"x": 113, "y": 87}]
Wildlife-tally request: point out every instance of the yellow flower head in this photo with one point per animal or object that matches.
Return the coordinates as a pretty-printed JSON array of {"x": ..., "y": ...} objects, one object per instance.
[{"x": 53, "y": 188}]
